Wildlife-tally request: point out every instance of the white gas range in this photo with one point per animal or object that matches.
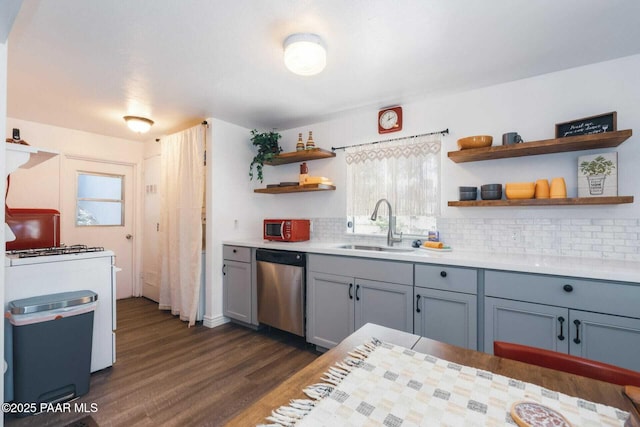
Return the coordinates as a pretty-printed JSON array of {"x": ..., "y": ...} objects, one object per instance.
[
  {"x": 37, "y": 272},
  {"x": 56, "y": 254}
]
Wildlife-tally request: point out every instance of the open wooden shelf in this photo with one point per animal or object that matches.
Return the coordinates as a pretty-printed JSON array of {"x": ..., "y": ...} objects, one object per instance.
[
  {"x": 300, "y": 156},
  {"x": 295, "y": 189},
  {"x": 576, "y": 201},
  {"x": 547, "y": 146}
]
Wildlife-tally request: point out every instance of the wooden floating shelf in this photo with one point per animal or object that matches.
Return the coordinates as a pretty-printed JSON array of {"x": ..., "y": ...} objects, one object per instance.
[
  {"x": 300, "y": 156},
  {"x": 295, "y": 189},
  {"x": 576, "y": 201},
  {"x": 547, "y": 146}
]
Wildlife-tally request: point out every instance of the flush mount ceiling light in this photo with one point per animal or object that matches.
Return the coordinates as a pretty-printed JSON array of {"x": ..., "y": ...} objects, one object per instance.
[
  {"x": 304, "y": 54},
  {"x": 138, "y": 124}
]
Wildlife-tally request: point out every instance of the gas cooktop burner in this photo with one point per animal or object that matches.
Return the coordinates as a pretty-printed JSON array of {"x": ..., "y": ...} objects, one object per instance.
[{"x": 61, "y": 250}]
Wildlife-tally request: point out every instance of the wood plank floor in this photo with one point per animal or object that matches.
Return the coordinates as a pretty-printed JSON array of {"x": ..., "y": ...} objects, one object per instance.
[{"x": 169, "y": 375}]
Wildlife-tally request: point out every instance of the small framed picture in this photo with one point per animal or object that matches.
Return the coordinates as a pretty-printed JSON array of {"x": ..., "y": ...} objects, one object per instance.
[
  {"x": 598, "y": 175},
  {"x": 588, "y": 125}
]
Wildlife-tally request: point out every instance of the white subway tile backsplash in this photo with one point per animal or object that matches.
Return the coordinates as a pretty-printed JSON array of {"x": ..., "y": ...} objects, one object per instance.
[
  {"x": 589, "y": 238},
  {"x": 581, "y": 222},
  {"x": 626, "y": 236},
  {"x": 608, "y": 222},
  {"x": 626, "y": 222},
  {"x": 603, "y": 235}
]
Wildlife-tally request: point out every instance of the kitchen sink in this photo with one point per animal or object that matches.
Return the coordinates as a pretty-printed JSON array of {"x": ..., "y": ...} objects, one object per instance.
[{"x": 375, "y": 248}]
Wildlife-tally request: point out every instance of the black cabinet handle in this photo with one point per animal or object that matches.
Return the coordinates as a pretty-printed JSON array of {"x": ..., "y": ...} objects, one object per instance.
[
  {"x": 235, "y": 251},
  {"x": 443, "y": 274},
  {"x": 561, "y": 336},
  {"x": 418, "y": 304},
  {"x": 577, "y": 338},
  {"x": 224, "y": 273},
  {"x": 350, "y": 288},
  {"x": 357, "y": 293},
  {"x": 567, "y": 288}
]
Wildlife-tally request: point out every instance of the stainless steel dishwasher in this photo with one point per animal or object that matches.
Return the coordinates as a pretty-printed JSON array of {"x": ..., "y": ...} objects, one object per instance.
[{"x": 281, "y": 285}]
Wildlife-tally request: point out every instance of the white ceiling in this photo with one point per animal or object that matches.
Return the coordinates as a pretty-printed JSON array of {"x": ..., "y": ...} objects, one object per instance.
[{"x": 84, "y": 64}]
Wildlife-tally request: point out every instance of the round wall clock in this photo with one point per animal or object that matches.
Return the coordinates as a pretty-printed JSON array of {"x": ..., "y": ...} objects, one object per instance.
[{"x": 390, "y": 120}]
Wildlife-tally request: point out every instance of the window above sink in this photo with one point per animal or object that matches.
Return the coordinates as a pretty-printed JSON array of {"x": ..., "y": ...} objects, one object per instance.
[{"x": 405, "y": 171}]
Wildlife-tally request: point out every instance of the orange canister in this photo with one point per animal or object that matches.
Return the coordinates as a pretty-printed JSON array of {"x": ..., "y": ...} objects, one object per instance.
[
  {"x": 558, "y": 188},
  {"x": 542, "y": 189}
]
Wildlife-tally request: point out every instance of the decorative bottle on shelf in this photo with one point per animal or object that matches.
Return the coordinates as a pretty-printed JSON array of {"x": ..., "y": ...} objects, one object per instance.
[
  {"x": 304, "y": 172},
  {"x": 300, "y": 144},
  {"x": 310, "y": 144}
]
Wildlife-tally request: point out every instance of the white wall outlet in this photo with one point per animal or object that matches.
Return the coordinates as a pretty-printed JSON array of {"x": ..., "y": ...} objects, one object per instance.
[
  {"x": 310, "y": 226},
  {"x": 516, "y": 235}
]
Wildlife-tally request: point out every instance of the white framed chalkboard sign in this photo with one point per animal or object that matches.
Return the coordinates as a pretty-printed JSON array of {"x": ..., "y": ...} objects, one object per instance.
[{"x": 588, "y": 125}]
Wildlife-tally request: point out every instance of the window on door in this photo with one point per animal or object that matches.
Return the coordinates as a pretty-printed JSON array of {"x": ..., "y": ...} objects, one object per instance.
[{"x": 100, "y": 200}]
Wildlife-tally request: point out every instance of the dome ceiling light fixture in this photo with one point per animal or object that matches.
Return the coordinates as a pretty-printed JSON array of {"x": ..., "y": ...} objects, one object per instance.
[
  {"x": 305, "y": 54},
  {"x": 138, "y": 124}
]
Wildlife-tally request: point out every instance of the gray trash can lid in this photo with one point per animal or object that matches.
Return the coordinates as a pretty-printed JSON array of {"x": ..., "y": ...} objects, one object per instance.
[{"x": 51, "y": 302}]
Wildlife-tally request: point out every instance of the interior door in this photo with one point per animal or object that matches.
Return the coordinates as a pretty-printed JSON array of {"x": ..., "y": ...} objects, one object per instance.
[
  {"x": 83, "y": 200},
  {"x": 151, "y": 226}
]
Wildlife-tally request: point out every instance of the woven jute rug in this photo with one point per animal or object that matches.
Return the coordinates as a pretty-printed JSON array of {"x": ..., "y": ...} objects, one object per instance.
[{"x": 381, "y": 384}]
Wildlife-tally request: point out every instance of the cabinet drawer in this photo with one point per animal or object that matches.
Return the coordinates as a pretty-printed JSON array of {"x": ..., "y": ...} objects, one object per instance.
[
  {"x": 383, "y": 271},
  {"x": 589, "y": 295},
  {"x": 236, "y": 253},
  {"x": 447, "y": 278}
]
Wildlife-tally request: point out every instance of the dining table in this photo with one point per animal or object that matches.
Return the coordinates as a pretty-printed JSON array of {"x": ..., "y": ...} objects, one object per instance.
[{"x": 569, "y": 384}]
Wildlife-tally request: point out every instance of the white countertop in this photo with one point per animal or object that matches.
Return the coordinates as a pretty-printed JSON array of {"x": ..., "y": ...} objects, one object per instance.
[{"x": 589, "y": 268}]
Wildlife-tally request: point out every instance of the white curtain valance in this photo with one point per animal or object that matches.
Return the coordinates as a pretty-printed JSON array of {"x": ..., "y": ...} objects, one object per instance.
[
  {"x": 405, "y": 171},
  {"x": 405, "y": 147}
]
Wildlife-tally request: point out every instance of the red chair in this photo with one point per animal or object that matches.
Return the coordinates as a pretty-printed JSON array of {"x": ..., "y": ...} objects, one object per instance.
[{"x": 567, "y": 363}]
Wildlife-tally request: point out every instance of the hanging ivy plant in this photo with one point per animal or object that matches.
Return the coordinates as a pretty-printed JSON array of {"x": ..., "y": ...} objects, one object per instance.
[{"x": 268, "y": 148}]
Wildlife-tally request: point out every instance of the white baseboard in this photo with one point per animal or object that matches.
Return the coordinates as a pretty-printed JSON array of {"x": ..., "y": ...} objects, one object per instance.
[{"x": 212, "y": 322}]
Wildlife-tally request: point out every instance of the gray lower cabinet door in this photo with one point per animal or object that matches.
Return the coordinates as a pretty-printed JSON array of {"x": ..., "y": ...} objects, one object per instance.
[
  {"x": 446, "y": 316},
  {"x": 536, "y": 325},
  {"x": 607, "y": 338},
  {"x": 236, "y": 288},
  {"x": 330, "y": 308},
  {"x": 385, "y": 304}
]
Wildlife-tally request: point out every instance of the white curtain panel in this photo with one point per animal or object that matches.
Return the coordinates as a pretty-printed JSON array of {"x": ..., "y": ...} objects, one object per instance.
[
  {"x": 405, "y": 171},
  {"x": 182, "y": 181}
]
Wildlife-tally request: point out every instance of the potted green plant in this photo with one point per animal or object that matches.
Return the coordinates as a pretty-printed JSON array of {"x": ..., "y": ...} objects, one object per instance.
[
  {"x": 268, "y": 148},
  {"x": 596, "y": 171}
]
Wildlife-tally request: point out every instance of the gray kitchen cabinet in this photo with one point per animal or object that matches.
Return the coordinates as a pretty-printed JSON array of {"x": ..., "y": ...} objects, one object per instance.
[
  {"x": 330, "y": 309},
  {"x": 449, "y": 317},
  {"x": 445, "y": 306},
  {"x": 610, "y": 339},
  {"x": 343, "y": 294},
  {"x": 382, "y": 303},
  {"x": 519, "y": 322},
  {"x": 237, "y": 289},
  {"x": 589, "y": 318}
]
